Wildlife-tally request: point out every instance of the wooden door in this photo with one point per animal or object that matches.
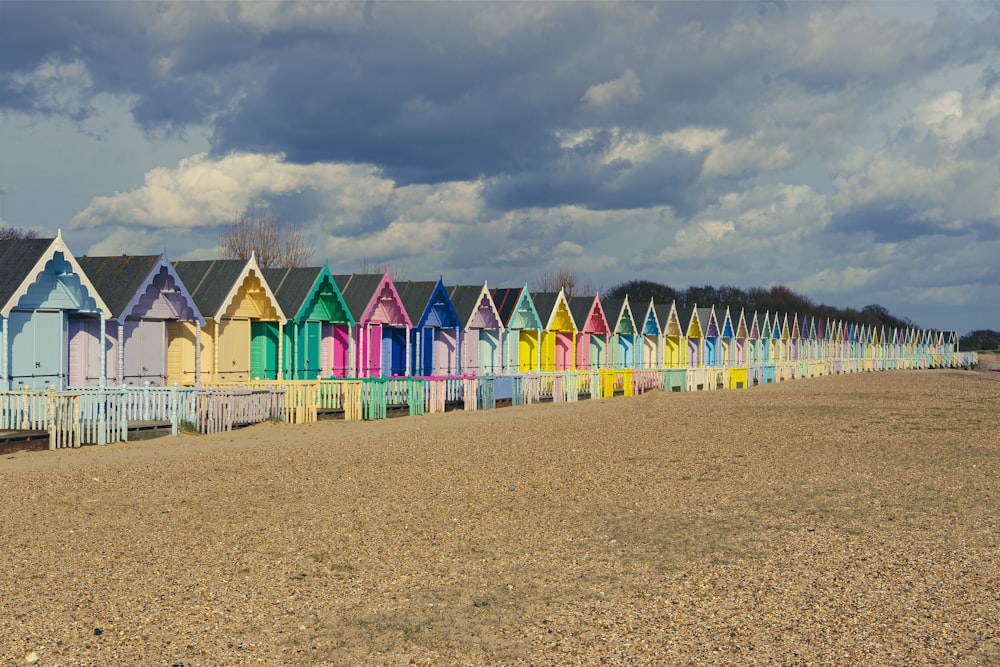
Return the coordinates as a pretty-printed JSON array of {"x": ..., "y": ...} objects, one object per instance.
[{"x": 37, "y": 349}]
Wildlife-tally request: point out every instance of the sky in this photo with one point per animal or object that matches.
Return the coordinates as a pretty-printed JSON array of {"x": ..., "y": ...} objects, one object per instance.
[{"x": 847, "y": 150}]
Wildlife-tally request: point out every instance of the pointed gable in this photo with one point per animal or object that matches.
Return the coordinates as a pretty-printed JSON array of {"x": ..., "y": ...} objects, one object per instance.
[
  {"x": 554, "y": 311},
  {"x": 142, "y": 286},
  {"x": 589, "y": 313},
  {"x": 309, "y": 293},
  {"x": 230, "y": 288},
  {"x": 742, "y": 332},
  {"x": 517, "y": 308},
  {"x": 672, "y": 325},
  {"x": 708, "y": 322},
  {"x": 694, "y": 324},
  {"x": 755, "y": 332},
  {"x": 373, "y": 299},
  {"x": 475, "y": 307},
  {"x": 651, "y": 325},
  {"x": 620, "y": 316},
  {"x": 43, "y": 273},
  {"x": 429, "y": 302},
  {"x": 726, "y": 326}
]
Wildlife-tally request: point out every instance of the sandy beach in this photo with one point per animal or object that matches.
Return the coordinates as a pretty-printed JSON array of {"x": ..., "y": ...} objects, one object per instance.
[{"x": 839, "y": 520}]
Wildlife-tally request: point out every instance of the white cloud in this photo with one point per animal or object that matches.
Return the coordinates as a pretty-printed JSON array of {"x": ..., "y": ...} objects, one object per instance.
[
  {"x": 57, "y": 85},
  {"x": 205, "y": 192},
  {"x": 626, "y": 89}
]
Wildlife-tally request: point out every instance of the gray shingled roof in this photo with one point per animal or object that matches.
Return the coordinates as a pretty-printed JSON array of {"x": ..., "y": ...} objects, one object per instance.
[
  {"x": 465, "y": 300},
  {"x": 292, "y": 286},
  {"x": 506, "y": 299},
  {"x": 416, "y": 296},
  {"x": 17, "y": 258},
  {"x": 358, "y": 290},
  {"x": 545, "y": 303},
  {"x": 210, "y": 281},
  {"x": 118, "y": 279},
  {"x": 579, "y": 308}
]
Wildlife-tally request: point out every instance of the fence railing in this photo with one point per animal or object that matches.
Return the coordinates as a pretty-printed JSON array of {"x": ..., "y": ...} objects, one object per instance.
[{"x": 100, "y": 415}]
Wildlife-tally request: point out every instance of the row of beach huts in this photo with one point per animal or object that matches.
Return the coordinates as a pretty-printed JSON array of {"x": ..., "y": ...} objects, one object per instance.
[{"x": 93, "y": 347}]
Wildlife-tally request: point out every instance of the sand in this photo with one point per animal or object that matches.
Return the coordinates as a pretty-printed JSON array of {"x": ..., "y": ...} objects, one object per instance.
[{"x": 839, "y": 520}]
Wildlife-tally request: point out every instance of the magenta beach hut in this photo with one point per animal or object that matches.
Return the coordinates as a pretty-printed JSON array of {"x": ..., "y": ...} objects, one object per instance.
[
  {"x": 592, "y": 336},
  {"x": 382, "y": 325}
]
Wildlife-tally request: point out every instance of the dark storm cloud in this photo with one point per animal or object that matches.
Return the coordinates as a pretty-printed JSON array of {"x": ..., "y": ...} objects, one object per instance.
[
  {"x": 432, "y": 92},
  {"x": 581, "y": 180}
]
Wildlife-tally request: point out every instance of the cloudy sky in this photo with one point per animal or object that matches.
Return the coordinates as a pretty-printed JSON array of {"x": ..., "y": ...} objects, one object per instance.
[{"x": 850, "y": 151}]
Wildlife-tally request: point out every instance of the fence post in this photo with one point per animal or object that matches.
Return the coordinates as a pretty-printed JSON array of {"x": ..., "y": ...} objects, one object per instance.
[
  {"x": 172, "y": 410},
  {"x": 50, "y": 399}
]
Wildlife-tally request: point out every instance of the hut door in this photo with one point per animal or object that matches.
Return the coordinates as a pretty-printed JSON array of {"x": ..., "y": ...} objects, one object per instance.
[
  {"x": 393, "y": 351},
  {"x": 145, "y": 352},
  {"x": 84, "y": 351},
  {"x": 264, "y": 350},
  {"x": 36, "y": 349},
  {"x": 180, "y": 353},
  {"x": 564, "y": 351},
  {"x": 489, "y": 352},
  {"x": 233, "y": 353},
  {"x": 309, "y": 350}
]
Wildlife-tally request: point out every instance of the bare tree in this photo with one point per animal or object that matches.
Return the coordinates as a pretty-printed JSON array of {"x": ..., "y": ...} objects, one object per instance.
[
  {"x": 8, "y": 233},
  {"x": 566, "y": 280},
  {"x": 263, "y": 233},
  {"x": 374, "y": 266}
]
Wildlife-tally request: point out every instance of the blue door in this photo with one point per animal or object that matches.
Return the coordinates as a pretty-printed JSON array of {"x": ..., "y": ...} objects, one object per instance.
[{"x": 37, "y": 349}]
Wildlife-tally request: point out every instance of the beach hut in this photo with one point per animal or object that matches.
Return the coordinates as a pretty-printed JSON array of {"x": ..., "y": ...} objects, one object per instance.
[
  {"x": 674, "y": 340},
  {"x": 710, "y": 335},
  {"x": 648, "y": 351},
  {"x": 727, "y": 340},
  {"x": 381, "y": 324},
  {"x": 146, "y": 298},
  {"x": 692, "y": 335},
  {"x": 558, "y": 333},
  {"x": 434, "y": 338},
  {"x": 51, "y": 317},
  {"x": 482, "y": 328},
  {"x": 241, "y": 339},
  {"x": 316, "y": 339},
  {"x": 624, "y": 332},
  {"x": 592, "y": 337},
  {"x": 523, "y": 329},
  {"x": 741, "y": 340}
]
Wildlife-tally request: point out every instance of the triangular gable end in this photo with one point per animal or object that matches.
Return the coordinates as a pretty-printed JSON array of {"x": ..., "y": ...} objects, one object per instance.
[
  {"x": 79, "y": 292},
  {"x": 673, "y": 322},
  {"x": 694, "y": 325},
  {"x": 385, "y": 306},
  {"x": 324, "y": 290},
  {"x": 597, "y": 321},
  {"x": 259, "y": 297},
  {"x": 625, "y": 323},
  {"x": 651, "y": 325},
  {"x": 171, "y": 291},
  {"x": 439, "y": 311},
  {"x": 742, "y": 332},
  {"x": 485, "y": 315},
  {"x": 727, "y": 325},
  {"x": 561, "y": 319}
]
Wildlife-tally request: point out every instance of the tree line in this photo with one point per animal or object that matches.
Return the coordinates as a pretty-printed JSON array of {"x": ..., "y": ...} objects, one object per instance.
[
  {"x": 275, "y": 244},
  {"x": 777, "y": 299}
]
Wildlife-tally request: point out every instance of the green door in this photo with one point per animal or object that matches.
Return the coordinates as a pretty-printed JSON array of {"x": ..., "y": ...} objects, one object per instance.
[{"x": 264, "y": 350}]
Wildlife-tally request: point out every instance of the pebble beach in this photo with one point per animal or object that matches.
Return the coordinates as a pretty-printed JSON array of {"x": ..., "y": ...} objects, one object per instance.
[{"x": 846, "y": 520}]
